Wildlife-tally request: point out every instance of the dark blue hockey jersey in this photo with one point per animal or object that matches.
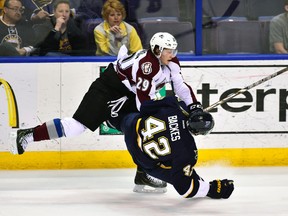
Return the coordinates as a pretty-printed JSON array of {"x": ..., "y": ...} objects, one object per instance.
[{"x": 159, "y": 142}]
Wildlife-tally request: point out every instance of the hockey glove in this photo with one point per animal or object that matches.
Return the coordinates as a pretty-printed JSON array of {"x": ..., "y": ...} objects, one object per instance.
[
  {"x": 221, "y": 189},
  {"x": 200, "y": 122},
  {"x": 194, "y": 107}
]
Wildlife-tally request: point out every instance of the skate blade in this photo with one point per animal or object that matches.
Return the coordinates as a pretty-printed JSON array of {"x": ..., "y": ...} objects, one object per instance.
[
  {"x": 148, "y": 189},
  {"x": 12, "y": 142}
]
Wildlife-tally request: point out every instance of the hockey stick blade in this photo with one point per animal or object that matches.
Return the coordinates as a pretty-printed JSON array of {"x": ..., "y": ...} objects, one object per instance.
[{"x": 241, "y": 91}]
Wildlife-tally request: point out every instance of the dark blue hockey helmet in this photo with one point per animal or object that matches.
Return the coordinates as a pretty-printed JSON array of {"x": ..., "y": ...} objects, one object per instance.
[{"x": 200, "y": 122}]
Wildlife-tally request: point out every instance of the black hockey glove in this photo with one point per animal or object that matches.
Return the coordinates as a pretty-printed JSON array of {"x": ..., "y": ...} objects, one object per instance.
[
  {"x": 221, "y": 189},
  {"x": 199, "y": 122},
  {"x": 197, "y": 106}
]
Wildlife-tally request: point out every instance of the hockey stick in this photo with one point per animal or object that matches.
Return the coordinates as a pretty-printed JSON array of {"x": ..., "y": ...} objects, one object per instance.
[{"x": 241, "y": 91}]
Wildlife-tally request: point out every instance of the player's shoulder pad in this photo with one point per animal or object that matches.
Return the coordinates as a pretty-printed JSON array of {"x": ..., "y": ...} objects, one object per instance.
[{"x": 149, "y": 64}]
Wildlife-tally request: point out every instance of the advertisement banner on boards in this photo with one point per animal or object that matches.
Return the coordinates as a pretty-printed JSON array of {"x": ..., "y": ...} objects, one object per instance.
[
  {"x": 43, "y": 93},
  {"x": 261, "y": 109}
]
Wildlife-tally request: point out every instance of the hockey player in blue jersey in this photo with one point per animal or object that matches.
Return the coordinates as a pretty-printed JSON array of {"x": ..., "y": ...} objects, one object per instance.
[{"x": 160, "y": 140}]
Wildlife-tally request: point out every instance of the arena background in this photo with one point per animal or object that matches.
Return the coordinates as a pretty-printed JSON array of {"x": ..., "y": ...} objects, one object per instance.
[{"x": 249, "y": 131}]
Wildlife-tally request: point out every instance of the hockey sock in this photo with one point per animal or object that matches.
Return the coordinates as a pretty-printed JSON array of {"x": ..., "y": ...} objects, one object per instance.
[{"x": 49, "y": 130}]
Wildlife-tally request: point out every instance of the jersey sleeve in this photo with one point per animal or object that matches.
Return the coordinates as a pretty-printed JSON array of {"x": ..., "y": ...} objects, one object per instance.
[
  {"x": 185, "y": 179},
  {"x": 182, "y": 89}
]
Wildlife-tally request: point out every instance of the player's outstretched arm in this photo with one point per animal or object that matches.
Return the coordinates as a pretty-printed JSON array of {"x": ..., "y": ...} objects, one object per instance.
[{"x": 221, "y": 189}]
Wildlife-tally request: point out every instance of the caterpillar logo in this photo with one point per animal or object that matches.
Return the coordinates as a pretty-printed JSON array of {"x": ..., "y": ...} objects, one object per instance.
[{"x": 12, "y": 104}]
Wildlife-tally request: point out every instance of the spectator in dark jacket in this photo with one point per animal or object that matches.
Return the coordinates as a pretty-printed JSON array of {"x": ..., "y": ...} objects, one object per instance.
[
  {"x": 60, "y": 35},
  {"x": 41, "y": 10}
]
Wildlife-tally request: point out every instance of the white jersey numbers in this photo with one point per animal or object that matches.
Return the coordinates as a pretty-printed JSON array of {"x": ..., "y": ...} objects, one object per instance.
[
  {"x": 142, "y": 84},
  {"x": 152, "y": 126},
  {"x": 153, "y": 148},
  {"x": 160, "y": 148},
  {"x": 188, "y": 170}
]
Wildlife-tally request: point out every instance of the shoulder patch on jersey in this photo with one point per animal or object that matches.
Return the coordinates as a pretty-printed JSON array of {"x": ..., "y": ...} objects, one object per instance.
[{"x": 146, "y": 68}]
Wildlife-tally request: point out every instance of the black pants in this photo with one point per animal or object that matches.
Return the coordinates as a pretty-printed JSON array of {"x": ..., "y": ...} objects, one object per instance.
[{"x": 93, "y": 109}]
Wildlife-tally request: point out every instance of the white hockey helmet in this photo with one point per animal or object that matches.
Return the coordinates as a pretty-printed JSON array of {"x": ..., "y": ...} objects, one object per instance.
[{"x": 163, "y": 40}]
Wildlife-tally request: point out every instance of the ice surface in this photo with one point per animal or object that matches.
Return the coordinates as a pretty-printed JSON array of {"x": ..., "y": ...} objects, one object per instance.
[{"x": 104, "y": 192}]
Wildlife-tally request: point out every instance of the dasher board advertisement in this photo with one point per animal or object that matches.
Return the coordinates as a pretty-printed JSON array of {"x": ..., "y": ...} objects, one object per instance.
[{"x": 44, "y": 91}]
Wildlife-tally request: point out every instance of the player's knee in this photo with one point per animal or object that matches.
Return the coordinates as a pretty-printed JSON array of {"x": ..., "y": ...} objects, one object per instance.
[{"x": 72, "y": 127}]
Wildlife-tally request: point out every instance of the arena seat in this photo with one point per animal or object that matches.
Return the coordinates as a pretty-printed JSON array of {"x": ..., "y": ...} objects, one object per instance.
[
  {"x": 232, "y": 37},
  {"x": 182, "y": 31}
]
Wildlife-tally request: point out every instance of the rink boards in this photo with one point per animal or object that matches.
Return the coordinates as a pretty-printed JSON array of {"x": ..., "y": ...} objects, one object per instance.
[{"x": 250, "y": 130}]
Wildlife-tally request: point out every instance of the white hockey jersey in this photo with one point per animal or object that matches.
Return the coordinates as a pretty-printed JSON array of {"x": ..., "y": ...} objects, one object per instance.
[{"x": 143, "y": 74}]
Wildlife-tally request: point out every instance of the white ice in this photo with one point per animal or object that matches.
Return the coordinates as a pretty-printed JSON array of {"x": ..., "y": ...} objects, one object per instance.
[{"x": 106, "y": 192}]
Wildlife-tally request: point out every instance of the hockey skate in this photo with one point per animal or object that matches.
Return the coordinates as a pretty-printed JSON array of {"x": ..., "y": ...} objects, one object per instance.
[
  {"x": 145, "y": 183},
  {"x": 20, "y": 139}
]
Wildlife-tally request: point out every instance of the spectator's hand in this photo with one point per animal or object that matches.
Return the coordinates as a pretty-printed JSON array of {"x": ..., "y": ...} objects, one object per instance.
[
  {"x": 41, "y": 15},
  {"x": 21, "y": 51},
  {"x": 60, "y": 24},
  {"x": 116, "y": 30}
]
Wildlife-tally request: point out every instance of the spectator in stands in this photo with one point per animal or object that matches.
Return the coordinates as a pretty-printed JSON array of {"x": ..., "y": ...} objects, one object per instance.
[
  {"x": 278, "y": 32},
  {"x": 40, "y": 11},
  {"x": 91, "y": 9},
  {"x": 16, "y": 34},
  {"x": 113, "y": 32},
  {"x": 60, "y": 35}
]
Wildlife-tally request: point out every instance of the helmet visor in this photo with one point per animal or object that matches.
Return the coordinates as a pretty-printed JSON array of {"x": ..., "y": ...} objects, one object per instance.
[{"x": 172, "y": 52}]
